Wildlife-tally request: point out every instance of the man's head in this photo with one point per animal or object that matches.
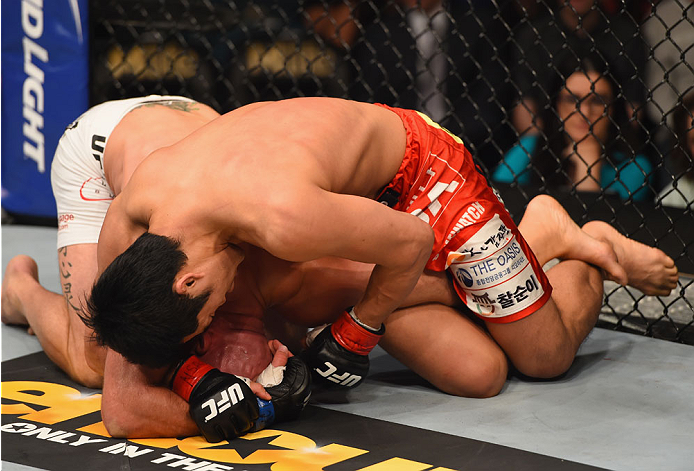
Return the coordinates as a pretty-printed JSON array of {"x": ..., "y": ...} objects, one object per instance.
[{"x": 134, "y": 308}]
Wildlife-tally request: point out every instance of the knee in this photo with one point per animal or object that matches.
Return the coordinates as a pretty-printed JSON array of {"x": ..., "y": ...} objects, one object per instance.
[
  {"x": 485, "y": 378},
  {"x": 545, "y": 364},
  {"x": 490, "y": 377}
]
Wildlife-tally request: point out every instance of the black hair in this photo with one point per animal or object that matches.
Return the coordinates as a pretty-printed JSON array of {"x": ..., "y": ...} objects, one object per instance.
[
  {"x": 133, "y": 308},
  {"x": 552, "y": 170}
]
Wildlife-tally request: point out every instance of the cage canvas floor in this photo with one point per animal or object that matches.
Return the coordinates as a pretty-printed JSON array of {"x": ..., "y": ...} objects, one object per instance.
[{"x": 625, "y": 404}]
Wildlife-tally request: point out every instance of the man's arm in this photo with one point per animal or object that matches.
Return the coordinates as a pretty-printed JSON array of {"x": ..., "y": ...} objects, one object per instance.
[
  {"x": 65, "y": 338},
  {"x": 136, "y": 402},
  {"x": 310, "y": 223}
]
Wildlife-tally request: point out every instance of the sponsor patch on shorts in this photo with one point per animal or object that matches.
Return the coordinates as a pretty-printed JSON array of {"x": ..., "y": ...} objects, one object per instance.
[
  {"x": 494, "y": 272},
  {"x": 96, "y": 189},
  {"x": 64, "y": 220}
]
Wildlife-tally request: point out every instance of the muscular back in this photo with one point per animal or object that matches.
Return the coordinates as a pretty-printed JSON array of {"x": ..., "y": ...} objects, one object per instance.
[
  {"x": 297, "y": 178},
  {"x": 232, "y": 172},
  {"x": 343, "y": 146}
]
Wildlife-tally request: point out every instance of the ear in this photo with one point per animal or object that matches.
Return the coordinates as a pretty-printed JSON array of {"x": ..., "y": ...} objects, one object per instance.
[{"x": 186, "y": 282}]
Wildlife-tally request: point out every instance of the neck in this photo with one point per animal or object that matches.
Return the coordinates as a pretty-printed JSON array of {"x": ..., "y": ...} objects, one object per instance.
[
  {"x": 272, "y": 280},
  {"x": 184, "y": 225},
  {"x": 196, "y": 243},
  {"x": 247, "y": 295}
]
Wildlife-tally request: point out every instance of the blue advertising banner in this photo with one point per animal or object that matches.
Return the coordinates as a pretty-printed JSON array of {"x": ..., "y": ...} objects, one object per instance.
[{"x": 45, "y": 86}]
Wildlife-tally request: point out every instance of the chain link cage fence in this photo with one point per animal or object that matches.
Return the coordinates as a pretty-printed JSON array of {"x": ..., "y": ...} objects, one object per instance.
[{"x": 590, "y": 101}]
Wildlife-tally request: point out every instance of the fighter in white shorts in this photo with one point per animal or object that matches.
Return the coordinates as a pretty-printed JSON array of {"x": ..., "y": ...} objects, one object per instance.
[
  {"x": 80, "y": 186},
  {"x": 94, "y": 159},
  {"x": 93, "y": 162}
]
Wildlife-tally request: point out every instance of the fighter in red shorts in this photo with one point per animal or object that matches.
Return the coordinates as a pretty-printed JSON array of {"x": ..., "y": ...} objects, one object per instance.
[{"x": 301, "y": 179}]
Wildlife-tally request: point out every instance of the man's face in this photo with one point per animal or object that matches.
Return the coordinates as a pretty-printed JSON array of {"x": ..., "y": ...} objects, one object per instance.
[
  {"x": 584, "y": 106},
  {"x": 207, "y": 313},
  {"x": 219, "y": 274}
]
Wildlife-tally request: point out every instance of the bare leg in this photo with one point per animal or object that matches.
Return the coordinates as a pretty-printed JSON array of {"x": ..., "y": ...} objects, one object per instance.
[
  {"x": 52, "y": 317},
  {"x": 623, "y": 260},
  {"x": 454, "y": 354},
  {"x": 433, "y": 287},
  {"x": 544, "y": 344}
]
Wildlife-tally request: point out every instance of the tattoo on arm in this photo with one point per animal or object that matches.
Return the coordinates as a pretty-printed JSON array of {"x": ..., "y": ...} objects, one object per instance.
[
  {"x": 65, "y": 274},
  {"x": 186, "y": 106}
]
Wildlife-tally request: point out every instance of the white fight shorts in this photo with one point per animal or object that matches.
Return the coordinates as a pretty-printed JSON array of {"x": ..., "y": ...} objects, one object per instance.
[{"x": 81, "y": 192}]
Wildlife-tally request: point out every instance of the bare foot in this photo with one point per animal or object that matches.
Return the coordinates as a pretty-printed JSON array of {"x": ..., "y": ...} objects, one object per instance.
[
  {"x": 20, "y": 271},
  {"x": 551, "y": 233},
  {"x": 648, "y": 269}
]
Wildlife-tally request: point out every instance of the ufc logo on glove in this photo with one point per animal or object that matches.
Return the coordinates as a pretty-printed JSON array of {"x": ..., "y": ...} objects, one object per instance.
[
  {"x": 231, "y": 396},
  {"x": 346, "y": 343},
  {"x": 345, "y": 379}
]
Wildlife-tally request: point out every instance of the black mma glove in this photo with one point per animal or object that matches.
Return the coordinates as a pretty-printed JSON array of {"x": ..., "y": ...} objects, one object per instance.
[
  {"x": 339, "y": 355},
  {"x": 291, "y": 396},
  {"x": 224, "y": 407}
]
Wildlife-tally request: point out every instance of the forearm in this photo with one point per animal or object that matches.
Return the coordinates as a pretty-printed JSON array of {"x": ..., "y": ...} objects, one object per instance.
[
  {"x": 389, "y": 286},
  {"x": 433, "y": 287},
  {"x": 77, "y": 264},
  {"x": 153, "y": 412},
  {"x": 137, "y": 402},
  {"x": 339, "y": 355}
]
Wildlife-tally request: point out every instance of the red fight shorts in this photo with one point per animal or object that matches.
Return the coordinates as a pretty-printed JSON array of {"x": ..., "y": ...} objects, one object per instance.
[{"x": 496, "y": 274}]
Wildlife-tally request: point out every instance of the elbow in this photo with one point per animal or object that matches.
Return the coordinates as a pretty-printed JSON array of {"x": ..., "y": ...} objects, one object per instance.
[
  {"x": 424, "y": 244},
  {"x": 115, "y": 426},
  {"x": 118, "y": 421},
  {"x": 430, "y": 237}
]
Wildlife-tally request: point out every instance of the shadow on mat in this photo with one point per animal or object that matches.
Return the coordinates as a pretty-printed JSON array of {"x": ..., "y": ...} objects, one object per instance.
[{"x": 581, "y": 363}]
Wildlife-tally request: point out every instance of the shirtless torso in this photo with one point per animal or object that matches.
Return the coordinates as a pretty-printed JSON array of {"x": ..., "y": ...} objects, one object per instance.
[
  {"x": 281, "y": 176},
  {"x": 275, "y": 299}
]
